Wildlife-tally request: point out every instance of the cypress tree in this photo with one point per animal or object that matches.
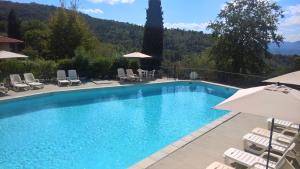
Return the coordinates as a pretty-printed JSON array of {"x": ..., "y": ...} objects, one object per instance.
[
  {"x": 153, "y": 35},
  {"x": 13, "y": 27}
]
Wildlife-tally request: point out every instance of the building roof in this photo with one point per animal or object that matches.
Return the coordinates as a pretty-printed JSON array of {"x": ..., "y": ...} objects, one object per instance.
[{"x": 4, "y": 39}]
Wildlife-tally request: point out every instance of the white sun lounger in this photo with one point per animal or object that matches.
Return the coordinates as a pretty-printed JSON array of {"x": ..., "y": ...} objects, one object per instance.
[
  {"x": 121, "y": 74},
  {"x": 218, "y": 165},
  {"x": 3, "y": 89},
  {"x": 276, "y": 136},
  {"x": 286, "y": 128},
  {"x": 62, "y": 78},
  {"x": 283, "y": 124},
  {"x": 258, "y": 144},
  {"x": 17, "y": 82},
  {"x": 32, "y": 82},
  {"x": 131, "y": 75},
  {"x": 253, "y": 161},
  {"x": 73, "y": 77}
]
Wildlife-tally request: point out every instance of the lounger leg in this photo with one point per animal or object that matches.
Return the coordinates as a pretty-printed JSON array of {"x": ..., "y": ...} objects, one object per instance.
[{"x": 226, "y": 161}]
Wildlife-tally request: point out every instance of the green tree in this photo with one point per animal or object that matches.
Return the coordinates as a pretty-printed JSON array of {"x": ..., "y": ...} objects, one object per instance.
[
  {"x": 68, "y": 31},
  {"x": 13, "y": 27},
  {"x": 153, "y": 35},
  {"x": 243, "y": 29},
  {"x": 36, "y": 36}
]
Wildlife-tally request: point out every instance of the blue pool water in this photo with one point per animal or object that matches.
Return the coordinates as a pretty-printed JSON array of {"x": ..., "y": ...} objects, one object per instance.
[{"x": 109, "y": 128}]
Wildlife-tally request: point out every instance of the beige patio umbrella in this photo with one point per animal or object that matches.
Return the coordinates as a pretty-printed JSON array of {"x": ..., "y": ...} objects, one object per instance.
[
  {"x": 9, "y": 55},
  {"x": 272, "y": 101},
  {"x": 136, "y": 55},
  {"x": 290, "y": 78}
]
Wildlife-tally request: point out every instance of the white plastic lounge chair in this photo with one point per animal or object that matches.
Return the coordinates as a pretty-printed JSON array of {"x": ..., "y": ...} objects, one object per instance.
[
  {"x": 258, "y": 144},
  {"x": 253, "y": 161},
  {"x": 17, "y": 83},
  {"x": 276, "y": 136},
  {"x": 62, "y": 78},
  {"x": 285, "y": 127},
  {"x": 218, "y": 165},
  {"x": 151, "y": 74},
  {"x": 121, "y": 74},
  {"x": 131, "y": 75},
  {"x": 283, "y": 124},
  {"x": 3, "y": 89},
  {"x": 73, "y": 77},
  {"x": 141, "y": 74},
  {"x": 32, "y": 82}
]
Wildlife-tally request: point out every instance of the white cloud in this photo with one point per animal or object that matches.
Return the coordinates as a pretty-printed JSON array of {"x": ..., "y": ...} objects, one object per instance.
[
  {"x": 113, "y": 2},
  {"x": 91, "y": 11},
  {"x": 290, "y": 25},
  {"x": 294, "y": 10},
  {"x": 187, "y": 26}
]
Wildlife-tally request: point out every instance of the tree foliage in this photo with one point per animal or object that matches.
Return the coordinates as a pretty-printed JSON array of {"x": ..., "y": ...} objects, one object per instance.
[
  {"x": 68, "y": 31},
  {"x": 13, "y": 25},
  {"x": 153, "y": 34},
  {"x": 243, "y": 29}
]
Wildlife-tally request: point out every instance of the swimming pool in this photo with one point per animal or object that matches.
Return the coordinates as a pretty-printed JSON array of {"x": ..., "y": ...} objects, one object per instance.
[{"x": 110, "y": 128}]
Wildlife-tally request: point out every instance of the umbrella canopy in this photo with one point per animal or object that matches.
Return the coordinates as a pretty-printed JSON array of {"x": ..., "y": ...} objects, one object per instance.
[
  {"x": 10, "y": 55},
  {"x": 272, "y": 101},
  {"x": 290, "y": 78},
  {"x": 137, "y": 55}
]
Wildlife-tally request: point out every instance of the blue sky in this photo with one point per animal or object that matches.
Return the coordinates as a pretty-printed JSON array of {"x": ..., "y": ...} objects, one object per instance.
[{"x": 184, "y": 14}]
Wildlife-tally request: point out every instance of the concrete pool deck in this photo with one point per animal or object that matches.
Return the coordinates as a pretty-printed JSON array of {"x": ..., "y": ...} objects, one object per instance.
[
  {"x": 48, "y": 88},
  {"x": 210, "y": 146}
]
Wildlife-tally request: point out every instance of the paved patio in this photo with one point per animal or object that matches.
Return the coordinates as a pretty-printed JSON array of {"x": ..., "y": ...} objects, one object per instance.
[{"x": 210, "y": 147}]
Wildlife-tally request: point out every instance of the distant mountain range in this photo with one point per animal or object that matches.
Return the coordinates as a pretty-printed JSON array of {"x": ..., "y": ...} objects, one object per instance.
[
  {"x": 178, "y": 43},
  {"x": 286, "y": 48},
  {"x": 128, "y": 37}
]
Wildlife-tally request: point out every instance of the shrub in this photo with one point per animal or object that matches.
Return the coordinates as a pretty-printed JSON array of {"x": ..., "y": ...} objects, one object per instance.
[
  {"x": 41, "y": 69},
  {"x": 100, "y": 67},
  {"x": 81, "y": 64},
  {"x": 44, "y": 69},
  {"x": 134, "y": 65},
  {"x": 118, "y": 63},
  {"x": 65, "y": 64}
]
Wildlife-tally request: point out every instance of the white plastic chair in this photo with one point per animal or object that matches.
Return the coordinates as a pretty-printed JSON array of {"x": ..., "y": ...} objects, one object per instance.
[
  {"x": 121, "y": 74},
  {"x": 32, "y": 82},
  {"x": 62, "y": 78},
  {"x": 17, "y": 82},
  {"x": 73, "y": 77}
]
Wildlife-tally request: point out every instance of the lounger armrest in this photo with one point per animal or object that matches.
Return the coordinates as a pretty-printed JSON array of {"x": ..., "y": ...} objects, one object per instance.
[
  {"x": 265, "y": 154},
  {"x": 289, "y": 131},
  {"x": 284, "y": 140}
]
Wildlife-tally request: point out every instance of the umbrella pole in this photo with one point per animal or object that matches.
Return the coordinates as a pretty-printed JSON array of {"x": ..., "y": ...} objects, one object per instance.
[{"x": 270, "y": 143}]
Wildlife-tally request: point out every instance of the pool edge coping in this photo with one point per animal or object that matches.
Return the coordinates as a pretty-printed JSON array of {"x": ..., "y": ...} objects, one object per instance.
[
  {"x": 182, "y": 142},
  {"x": 4, "y": 99}
]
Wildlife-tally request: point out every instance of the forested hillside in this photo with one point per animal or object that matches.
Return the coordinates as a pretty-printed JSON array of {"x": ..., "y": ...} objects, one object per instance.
[{"x": 126, "y": 36}]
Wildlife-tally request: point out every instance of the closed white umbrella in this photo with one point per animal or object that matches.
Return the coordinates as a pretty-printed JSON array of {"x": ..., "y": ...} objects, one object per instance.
[
  {"x": 290, "y": 78},
  {"x": 10, "y": 55},
  {"x": 136, "y": 55},
  {"x": 273, "y": 101}
]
